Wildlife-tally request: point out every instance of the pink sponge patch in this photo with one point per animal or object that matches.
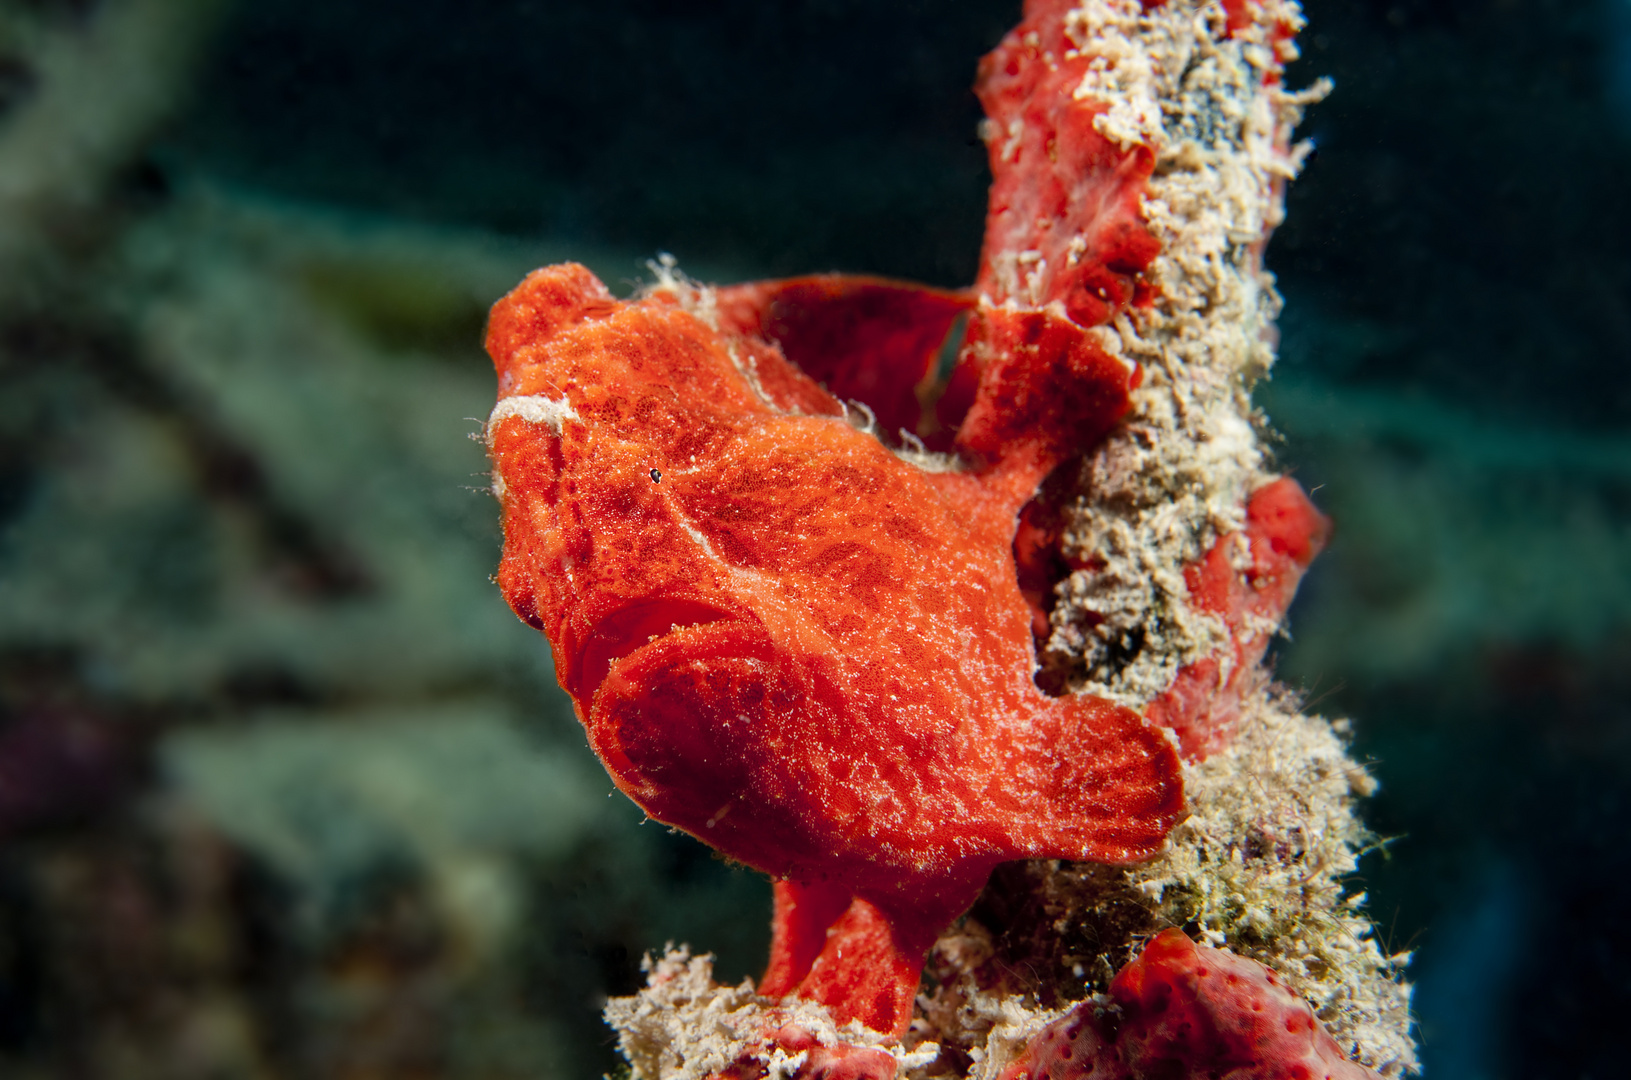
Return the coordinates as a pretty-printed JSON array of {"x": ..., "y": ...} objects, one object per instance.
[{"x": 1186, "y": 1010}]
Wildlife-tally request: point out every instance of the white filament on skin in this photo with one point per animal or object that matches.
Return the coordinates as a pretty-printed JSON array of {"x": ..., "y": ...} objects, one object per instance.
[{"x": 534, "y": 409}]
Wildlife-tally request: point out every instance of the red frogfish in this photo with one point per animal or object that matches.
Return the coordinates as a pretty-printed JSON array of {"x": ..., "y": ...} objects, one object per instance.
[
  {"x": 793, "y": 631},
  {"x": 789, "y": 641}
]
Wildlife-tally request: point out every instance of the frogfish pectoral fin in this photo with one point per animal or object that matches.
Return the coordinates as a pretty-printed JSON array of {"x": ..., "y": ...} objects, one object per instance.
[
  {"x": 1102, "y": 784},
  {"x": 694, "y": 726}
]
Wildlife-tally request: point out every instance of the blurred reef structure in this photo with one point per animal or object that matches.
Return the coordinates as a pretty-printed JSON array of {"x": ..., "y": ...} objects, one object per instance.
[{"x": 277, "y": 794}]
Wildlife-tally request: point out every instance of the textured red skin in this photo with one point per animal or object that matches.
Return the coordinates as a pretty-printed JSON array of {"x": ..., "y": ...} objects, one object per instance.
[
  {"x": 788, "y": 642},
  {"x": 800, "y": 649},
  {"x": 1187, "y": 1010}
]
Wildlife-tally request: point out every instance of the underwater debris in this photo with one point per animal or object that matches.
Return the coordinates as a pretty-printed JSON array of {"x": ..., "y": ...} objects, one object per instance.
[{"x": 814, "y": 644}]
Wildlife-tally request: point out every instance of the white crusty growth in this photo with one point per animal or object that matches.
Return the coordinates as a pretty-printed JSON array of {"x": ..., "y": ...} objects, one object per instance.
[
  {"x": 534, "y": 409},
  {"x": 685, "y": 1026},
  {"x": 1174, "y": 476}
]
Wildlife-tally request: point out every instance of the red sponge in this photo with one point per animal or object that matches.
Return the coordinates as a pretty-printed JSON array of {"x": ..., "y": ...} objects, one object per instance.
[{"x": 1186, "y": 1010}]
